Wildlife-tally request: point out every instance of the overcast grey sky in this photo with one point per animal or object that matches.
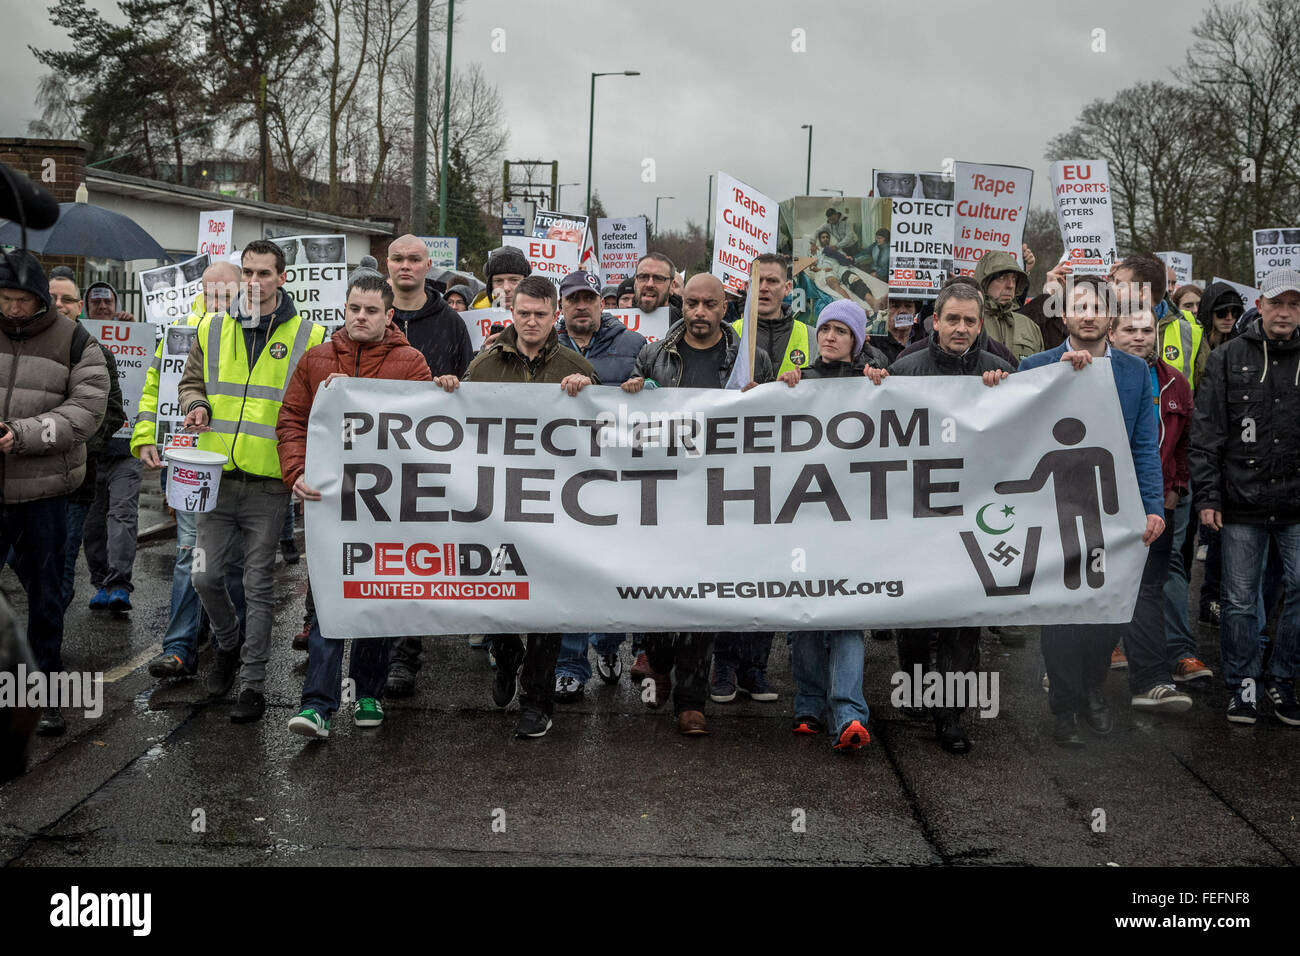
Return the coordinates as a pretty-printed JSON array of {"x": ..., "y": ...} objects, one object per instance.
[{"x": 884, "y": 84}]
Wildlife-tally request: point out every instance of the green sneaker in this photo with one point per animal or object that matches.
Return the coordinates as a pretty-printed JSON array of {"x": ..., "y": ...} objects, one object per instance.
[
  {"x": 309, "y": 723},
  {"x": 367, "y": 712}
]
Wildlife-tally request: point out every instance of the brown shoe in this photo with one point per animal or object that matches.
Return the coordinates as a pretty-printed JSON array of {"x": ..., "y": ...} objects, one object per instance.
[{"x": 692, "y": 724}]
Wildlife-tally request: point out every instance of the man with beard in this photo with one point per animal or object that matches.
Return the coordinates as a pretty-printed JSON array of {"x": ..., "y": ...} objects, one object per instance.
[
  {"x": 652, "y": 283},
  {"x": 698, "y": 352},
  {"x": 611, "y": 348},
  {"x": 1078, "y": 655}
]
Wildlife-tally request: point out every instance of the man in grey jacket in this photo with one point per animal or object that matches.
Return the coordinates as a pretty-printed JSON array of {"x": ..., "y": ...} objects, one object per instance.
[{"x": 53, "y": 394}]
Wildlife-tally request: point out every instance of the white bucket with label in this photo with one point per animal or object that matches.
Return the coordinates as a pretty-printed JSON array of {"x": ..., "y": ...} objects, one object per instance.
[{"x": 193, "y": 477}]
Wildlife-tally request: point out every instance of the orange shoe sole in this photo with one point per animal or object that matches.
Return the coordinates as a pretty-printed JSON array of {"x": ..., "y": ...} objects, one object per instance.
[{"x": 854, "y": 737}]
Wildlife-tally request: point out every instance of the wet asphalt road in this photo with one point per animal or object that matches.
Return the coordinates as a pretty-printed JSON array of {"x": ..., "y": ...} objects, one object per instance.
[{"x": 613, "y": 781}]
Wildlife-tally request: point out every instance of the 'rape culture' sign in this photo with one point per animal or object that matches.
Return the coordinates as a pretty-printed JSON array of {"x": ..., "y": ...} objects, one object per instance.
[
  {"x": 745, "y": 223},
  {"x": 989, "y": 215}
]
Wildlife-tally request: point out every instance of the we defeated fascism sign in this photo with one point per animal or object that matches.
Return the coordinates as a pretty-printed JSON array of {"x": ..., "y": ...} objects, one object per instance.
[{"x": 476, "y": 512}]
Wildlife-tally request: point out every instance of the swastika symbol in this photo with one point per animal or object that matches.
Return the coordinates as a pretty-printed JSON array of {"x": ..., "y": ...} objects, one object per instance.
[{"x": 1004, "y": 553}]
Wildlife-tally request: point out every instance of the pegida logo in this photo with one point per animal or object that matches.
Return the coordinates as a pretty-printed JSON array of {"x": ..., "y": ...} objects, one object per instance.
[
  {"x": 797, "y": 357},
  {"x": 279, "y": 350},
  {"x": 1171, "y": 353},
  {"x": 425, "y": 559}
]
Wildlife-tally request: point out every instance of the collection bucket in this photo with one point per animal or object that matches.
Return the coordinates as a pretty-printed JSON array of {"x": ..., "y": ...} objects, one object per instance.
[{"x": 193, "y": 478}]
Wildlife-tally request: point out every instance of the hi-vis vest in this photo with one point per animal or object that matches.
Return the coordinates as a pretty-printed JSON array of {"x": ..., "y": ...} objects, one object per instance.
[
  {"x": 246, "y": 402},
  {"x": 796, "y": 350},
  {"x": 1180, "y": 344},
  {"x": 146, "y": 418}
]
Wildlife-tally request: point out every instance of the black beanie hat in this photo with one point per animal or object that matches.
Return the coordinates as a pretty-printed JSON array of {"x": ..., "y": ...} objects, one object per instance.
[{"x": 506, "y": 261}]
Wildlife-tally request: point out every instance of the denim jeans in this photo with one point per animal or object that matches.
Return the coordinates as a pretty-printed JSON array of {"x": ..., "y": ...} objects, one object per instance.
[
  {"x": 37, "y": 532},
  {"x": 1245, "y": 551},
  {"x": 187, "y": 615},
  {"x": 1178, "y": 630},
  {"x": 1151, "y": 657},
  {"x": 1213, "y": 568},
  {"x": 368, "y": 670},
  {"x": 573, "y": 660},
  {"x": 77, "y": 512},
  {"x": 286, "y": 530},
  {"x": 827, "y": 667}
]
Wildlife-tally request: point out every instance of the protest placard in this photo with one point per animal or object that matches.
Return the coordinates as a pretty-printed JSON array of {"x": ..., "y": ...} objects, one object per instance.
[
  {"x": 1081, "y": 195},
  {"x": 551, "y": 258},
  {"x": 480, "y": 509},
  {"x": 989, "y": 216},
  {"x": 215, "y": 233},
  {"x": 132, "y": 345},
  {"x": 316, "y": 276},
  {"x": 745, "y": 226},
  {"x": 836, "y": 251},
  {"x": 169, "y": 290},
  {"x": 1181, "y": 263},
  {"x": 566, "y": 227},
  {"x": 479, "y": 322},
  {"x": 1276, "y": 249},
  {"x": 920, "y": 238},
  {"x": 622, "y": 243},
  {"x": 443, "y": 250},
  {"x": 653, "y": 325},
  {"x": 169, "y": 427}
]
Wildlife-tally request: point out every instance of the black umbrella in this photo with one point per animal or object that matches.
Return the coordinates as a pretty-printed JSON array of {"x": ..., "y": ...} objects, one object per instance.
[{"x": 86, "y": 230}]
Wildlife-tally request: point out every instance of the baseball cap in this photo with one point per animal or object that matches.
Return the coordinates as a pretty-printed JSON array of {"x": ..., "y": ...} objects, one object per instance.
[
  {"x": 1279, "y": 281},
  {"x": 580, "y": 281}
]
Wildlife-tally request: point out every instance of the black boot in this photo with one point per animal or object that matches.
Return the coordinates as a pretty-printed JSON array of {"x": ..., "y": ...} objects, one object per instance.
[
  {"x": 1096, "y": 713},
  {"x": 1066, "y": 731}
]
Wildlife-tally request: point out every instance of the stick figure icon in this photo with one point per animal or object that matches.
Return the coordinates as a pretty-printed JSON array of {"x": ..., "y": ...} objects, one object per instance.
[{"x": 1084, "y": 482}]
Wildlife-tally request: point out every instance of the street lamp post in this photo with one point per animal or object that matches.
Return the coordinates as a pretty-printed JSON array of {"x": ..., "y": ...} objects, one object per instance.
[
  {"x": 807, "y": 183},
  {"x": 559, "y": 194},
  {"x": 657, "y": 198},
  {"x": 591, "y": 124}
]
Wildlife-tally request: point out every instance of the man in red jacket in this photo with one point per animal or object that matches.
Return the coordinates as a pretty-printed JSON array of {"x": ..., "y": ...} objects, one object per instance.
[{"x": 368, "y": 346}]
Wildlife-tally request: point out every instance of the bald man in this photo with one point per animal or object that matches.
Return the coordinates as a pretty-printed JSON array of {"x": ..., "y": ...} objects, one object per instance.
[
  {"x": 441, "y": 336},
  {"x": 179, "y": 657},
  {"x": 698, "y": 352}
]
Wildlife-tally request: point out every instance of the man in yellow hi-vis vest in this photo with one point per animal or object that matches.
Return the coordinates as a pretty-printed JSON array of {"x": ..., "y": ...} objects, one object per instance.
[
  {"x": 231, "y": 393},
  {"x": 740, "y": 660}
]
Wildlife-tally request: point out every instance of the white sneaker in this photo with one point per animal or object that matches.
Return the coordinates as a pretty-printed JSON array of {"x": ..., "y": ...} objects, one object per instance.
[
  {"x": 567, "y": 688},
  {"x": 610, "y": 668},
  {"x": 1163, "y": 699}
]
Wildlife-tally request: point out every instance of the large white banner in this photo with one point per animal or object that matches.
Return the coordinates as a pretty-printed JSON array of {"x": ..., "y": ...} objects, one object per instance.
[
  {"x": 920, "y": 236},
  {"x": 551, "y": 258},
  {"x": 316, "y": 276},
  {"x": 215, "y": 233},
  {"x": 1275, "y": 249},
  {"x": 744, "y": 227},
  {"x": 169, "y": 290},
  {"x": 132, "y": 345},
  {"x": 921, "y": 502},
  {"x": 989, "y": 216},
  {"x": 622, "y": 243},
  {"x": 1081, "y": 194}
]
